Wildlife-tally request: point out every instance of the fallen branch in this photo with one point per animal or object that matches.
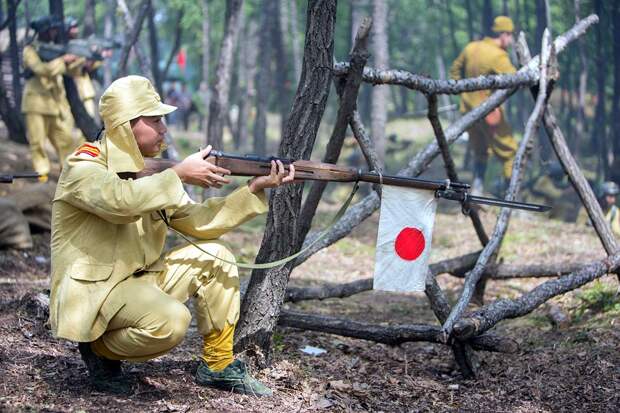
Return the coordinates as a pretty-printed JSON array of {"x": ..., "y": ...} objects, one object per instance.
[
  {"x": 391, "y": 335},
  {"x": 471, "y": 280},
  {"x": 491, "y": 314}
]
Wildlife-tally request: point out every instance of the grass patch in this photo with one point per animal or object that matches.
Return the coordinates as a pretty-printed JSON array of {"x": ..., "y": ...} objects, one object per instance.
[{"x": 600, "y": 298}]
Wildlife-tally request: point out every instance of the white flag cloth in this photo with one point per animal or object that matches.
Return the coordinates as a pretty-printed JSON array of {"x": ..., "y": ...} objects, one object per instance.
[{"x": 404, "y": 239}]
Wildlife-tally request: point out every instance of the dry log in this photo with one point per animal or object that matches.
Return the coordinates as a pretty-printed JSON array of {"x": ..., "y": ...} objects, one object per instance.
[
  {"x": 558, "y": 318},
  {"x": 363, "y": 209},
  {"x": 491, "y": 314},
  {"x": 471, "y": 280},
  {"x": 392, "y": 335}
]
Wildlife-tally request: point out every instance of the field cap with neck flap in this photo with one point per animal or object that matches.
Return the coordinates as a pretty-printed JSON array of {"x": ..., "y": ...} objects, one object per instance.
[{"x": 126, "y": 99}]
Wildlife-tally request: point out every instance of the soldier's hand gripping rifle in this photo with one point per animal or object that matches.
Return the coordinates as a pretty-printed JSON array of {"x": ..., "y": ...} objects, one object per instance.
[
  {"x": 8, "y": 179},
  {"x": 252, "y": 165}
]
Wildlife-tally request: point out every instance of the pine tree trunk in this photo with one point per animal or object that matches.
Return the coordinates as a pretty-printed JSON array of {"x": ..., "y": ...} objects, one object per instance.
[
  {"x": 378, "y": 117},
  {"x": 263, "y": 77},
  {"x": 220, "y": 90},
  {"x": 470, "y": 21},
  {"x": 599, "y": 129},
  {"x": 265, "y": 295},
  {"x": 281, "y": 80},
  {"x": 90, "y": 20},
  {"x": 247, "y": 71},
  {"x": 293, "y": 20},
  {"x": 487, "y": 18},
  {"x": 580, "y": 121},
  {"x": 615, "y": 104},
  {"x": 154, "y": 49}
]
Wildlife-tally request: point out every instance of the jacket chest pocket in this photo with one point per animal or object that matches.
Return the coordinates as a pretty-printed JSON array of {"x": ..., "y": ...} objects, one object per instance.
[{"x": 90, "y": 272}]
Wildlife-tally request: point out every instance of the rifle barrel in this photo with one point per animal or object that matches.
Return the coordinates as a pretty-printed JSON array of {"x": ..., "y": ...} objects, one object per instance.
[{"x": 403, "y": 181}]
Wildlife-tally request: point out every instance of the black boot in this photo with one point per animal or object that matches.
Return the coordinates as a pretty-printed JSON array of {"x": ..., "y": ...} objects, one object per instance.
[{"x": 105, "y": 375}]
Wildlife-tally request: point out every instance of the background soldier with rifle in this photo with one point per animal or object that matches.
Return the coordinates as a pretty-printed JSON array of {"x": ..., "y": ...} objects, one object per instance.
[{"x": 44, "y": 102}]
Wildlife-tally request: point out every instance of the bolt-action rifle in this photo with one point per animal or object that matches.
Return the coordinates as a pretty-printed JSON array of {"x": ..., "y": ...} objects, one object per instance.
[
  {"x": 252, "y": 165},
  {"x": 91, "y": 48},
  {"x": 8, "y": 179}
]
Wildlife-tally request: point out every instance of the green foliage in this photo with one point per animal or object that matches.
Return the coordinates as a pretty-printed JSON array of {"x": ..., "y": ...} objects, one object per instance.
[{"x": 600, "y": 298}]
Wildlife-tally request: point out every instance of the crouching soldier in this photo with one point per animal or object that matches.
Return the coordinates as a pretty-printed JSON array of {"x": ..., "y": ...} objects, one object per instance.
[{"x": 113, "y": 288}]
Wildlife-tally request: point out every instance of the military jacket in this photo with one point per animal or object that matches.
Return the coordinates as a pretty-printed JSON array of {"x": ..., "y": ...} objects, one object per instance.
[
  {"x": 483, "y": 57},
  {"x": 104, "y": 229}
]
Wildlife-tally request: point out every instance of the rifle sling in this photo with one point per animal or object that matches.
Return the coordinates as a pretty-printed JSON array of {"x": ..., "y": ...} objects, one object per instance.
[{"x": 277, "y": 263}]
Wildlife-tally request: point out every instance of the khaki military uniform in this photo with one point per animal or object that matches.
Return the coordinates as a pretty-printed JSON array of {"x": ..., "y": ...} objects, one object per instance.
[
  {"x": 480, "y": 58},
  {"x": 85, "y": 87},
  {"x": 110, "y": 280},
  {"x": 112, "y": 283},
  {"x": 47, "y": 112},
  {"x": 612, "y": 215}
]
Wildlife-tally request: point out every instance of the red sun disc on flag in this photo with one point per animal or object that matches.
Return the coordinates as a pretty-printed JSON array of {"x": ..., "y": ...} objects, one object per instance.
[{"x": 410, "y": 243}]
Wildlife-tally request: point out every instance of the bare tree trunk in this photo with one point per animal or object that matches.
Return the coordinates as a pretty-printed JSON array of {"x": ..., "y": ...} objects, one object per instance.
[
  {"x": 176, "y": 45},
  {"x": 261, "y": 307},
  {"x": 281, "y": 73},
  {"x": 134, "y": 27},
  {"x": 470, "y": 21},
  {"x": 90, "y": 20},
  {"x": 615, "y": 103},
  {"x": 218, "y": 107},
  {"x": 294, "y": 33},
  {"x": 247, "y": 71},
  {"x": 452, "y": 28},
  {"x": 154, "y": 49},
  {"x": 263, "y": 78},
  {"x": 580, "y": 124},
  {"x": 108, "y": 30},
  {"x": 379, "y": 93},
  {"x": 11, "y": 114},
  {"x": 487, "y": 18},
  {"x": 599, "y": 129},
  {"x": 206, "y": 57}
]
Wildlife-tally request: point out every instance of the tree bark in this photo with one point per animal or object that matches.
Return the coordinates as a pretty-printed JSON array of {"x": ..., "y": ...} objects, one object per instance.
[
  {"x": 599, "y": 129},
  {"x": 615, "y": 103},
  {"x": 134, "y": 27},
  {"x": 487, "y": 18},
  {"x": 11, "y": 114},
  {"x": 261, "y": 307},
  {"x": 154, "y": 49},
  {"x": 218, "y": 107},
  {"x": 281, "y": 80},
  {"x": 347, "y": 91},
  {"x": 247, "y": 71},
  {"x": 90, "y": 20},
  {"x": 379, "y": 93},
  {"x": 263, "y": 77}
]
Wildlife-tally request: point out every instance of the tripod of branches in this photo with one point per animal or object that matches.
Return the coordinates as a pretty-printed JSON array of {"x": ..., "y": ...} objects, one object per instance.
[{"x": 463, "y": 332}]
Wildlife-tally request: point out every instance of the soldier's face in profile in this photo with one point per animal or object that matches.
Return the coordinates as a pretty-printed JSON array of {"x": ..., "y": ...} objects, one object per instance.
[
  {"x": 149, "y": 133},
  {"x": 506, "y": 39},
  {"x": 610, "y": 199}
]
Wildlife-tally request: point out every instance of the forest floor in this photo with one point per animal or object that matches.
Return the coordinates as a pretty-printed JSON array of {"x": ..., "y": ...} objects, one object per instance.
[
  {"x": 570, "y": 369},
  {"x": 575, "y": 368}
]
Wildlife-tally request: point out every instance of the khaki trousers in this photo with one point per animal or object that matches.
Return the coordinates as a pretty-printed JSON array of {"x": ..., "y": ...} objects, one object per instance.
[
  {"x": 498, "y": 140},
  {"x": 55, "y": 128},
  {"x": 153, "y": 319}
]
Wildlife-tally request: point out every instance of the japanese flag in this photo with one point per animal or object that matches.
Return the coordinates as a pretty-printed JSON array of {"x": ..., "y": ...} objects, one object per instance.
[{"x": 404, "y": 239}]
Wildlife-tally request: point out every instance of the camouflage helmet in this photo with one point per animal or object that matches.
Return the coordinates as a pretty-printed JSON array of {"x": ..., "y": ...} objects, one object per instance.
[{"x": 609, "y": 188}]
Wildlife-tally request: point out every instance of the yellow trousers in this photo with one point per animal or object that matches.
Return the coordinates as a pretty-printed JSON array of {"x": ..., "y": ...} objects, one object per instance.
[
  {"x": 153, "y": 319},
  {"x": 55, "y": 128},
  {"x": 498, "y": 140}
]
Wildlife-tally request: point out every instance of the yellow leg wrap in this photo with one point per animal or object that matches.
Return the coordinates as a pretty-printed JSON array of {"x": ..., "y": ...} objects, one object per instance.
[{"x": 218, "y": 348}]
